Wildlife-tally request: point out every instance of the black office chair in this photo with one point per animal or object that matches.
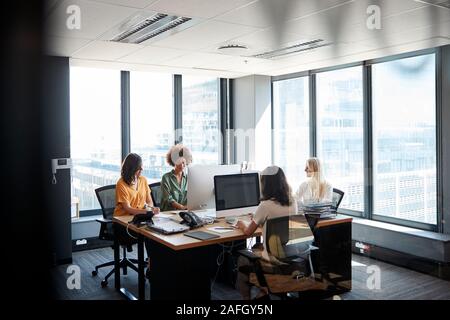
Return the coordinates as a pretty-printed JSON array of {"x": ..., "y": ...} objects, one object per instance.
[
  {"x": 107, "y": 198},
  {"x": 289, "y": 268},
  {"x": 337, "y": 198},
  {"x": 156, "y": 194}
]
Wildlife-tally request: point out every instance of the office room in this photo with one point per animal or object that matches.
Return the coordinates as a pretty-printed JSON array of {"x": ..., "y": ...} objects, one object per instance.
[{"x": 242, "y": 150}]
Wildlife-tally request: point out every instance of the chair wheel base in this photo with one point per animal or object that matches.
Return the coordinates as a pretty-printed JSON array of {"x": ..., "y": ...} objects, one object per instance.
[
  {"x": 104, "y": 283},
  {"x": 94, "y": 273}
]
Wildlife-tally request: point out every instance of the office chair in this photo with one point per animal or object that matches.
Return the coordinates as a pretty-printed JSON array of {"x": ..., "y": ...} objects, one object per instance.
[
  {"x": 337, "y": 198},
  {"x": 289, "y": 267},
  {"x": 155, "y": 192},
  {"x": 107, "y": 198}
]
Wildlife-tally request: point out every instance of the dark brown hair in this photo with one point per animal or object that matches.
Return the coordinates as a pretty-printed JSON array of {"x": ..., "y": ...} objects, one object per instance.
[
  {"x": 274, "y": 186},
  {"x": 131, "y": 164}
]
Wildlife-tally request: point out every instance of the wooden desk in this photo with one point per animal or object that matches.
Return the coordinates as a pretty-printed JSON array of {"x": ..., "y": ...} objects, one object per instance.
[
  {"x": 333, "y": 260},
  {"x": 179, "y": 241},
  {"x": 180, "y": 265}
]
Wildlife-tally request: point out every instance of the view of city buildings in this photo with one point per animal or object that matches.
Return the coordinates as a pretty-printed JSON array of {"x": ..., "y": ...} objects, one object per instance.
[
  {"x": 201, "y": 118},
  {"x": 404, "y": 135},
  {"x": 95, "y": 106}
]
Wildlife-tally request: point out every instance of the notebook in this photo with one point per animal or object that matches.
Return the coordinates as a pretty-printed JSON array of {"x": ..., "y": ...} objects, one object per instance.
[{"x": 201, "y": 235}]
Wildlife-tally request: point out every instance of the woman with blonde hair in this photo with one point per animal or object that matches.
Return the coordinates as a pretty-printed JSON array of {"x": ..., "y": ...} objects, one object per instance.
[
  {"x": 315, "y": 189},
  {"x": 174, "y": 183}
]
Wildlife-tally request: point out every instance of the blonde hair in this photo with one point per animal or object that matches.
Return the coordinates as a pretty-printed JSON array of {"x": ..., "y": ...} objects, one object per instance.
[
  {"x": 319, "y": 183},
  {"x": 177, "y": 152}
]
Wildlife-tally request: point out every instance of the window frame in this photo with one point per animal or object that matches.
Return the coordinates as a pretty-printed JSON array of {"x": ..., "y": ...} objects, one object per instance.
[
  {"x": 311, "y": 109},
  {"x": 124, "y": 114},
  {"x": 368, "y": 134},
  {"x": 225, "y": 119}
]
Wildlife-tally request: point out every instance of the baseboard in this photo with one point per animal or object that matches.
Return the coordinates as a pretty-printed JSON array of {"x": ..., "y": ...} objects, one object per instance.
[
  {"x": 89, "y": 244},
  {"x": 430, "y": 267}
]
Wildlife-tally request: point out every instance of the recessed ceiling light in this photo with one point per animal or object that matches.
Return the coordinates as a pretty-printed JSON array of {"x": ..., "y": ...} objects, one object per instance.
[{"x": 233, "y": 49}]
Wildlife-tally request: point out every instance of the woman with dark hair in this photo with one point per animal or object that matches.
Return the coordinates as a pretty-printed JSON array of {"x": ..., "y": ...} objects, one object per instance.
[
  {"x": 133, "y": 194},
  {"x": 132, "y": 191},
  {"x": 276, "y": 201}
]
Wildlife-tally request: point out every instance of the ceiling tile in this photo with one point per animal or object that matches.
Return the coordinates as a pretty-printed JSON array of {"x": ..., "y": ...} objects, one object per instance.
[
  {"x": 153, "y": 55},
  {"x": 197, "y": 8},
  {"x": 262, "y": 41},
  {"x": 338, "y": 21},
  {"x": 63, "y": 47},
  {"x": 399, "y": 23},
  {"x": 140, "y": 4},
  {"x": 95, "y": 18},
  {"x": 204, "y": 35},
  {"x": 266, "y": 13},
  {"x": 197, "y": 59},
  {"x": 105, "y": 50}
]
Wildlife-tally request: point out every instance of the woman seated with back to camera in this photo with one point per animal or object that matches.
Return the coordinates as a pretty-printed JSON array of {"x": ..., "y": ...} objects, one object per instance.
[
  {"x": 276, "y": 202},
  {"x": 174, "y": 183},
  {"x": 315, "y": 189}
]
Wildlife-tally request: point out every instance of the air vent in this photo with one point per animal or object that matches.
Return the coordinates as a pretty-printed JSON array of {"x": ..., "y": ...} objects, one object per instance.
[
  {"x": 233, "y": 49},
  {"x": 151, "y": 27},
  {"x": 437, "y": 3},
  {"x": 293, "y": 49}
]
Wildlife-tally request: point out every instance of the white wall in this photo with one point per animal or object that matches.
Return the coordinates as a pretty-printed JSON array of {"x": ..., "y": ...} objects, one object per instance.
[{"x": 252, "y": 118}]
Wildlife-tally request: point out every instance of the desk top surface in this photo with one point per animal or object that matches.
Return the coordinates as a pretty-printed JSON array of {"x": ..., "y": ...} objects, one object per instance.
[{"x": 179, "y": 241}]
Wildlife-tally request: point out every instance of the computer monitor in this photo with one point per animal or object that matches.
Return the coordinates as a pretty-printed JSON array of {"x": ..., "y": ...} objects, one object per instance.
[
  {"x": 236, "y": 194},
  {"x": 200, "y": 194}
]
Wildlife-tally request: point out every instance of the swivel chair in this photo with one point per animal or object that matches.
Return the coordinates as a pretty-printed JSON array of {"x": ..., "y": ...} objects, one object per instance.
[
  {"x": 155, "y": 192},
  {"x": 337, "y": 198},
  {"x": 107, "y": 198},
  {"x": 288, "y": 270}
]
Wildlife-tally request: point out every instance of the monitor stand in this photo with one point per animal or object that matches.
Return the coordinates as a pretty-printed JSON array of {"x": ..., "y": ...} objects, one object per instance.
[
  {"x": 202, "y": 213},
  {"x": 231, "y": 220}
]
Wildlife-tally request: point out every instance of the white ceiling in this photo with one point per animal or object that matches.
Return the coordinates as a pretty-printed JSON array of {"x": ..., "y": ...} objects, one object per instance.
[{"x": 261, "y": 25}]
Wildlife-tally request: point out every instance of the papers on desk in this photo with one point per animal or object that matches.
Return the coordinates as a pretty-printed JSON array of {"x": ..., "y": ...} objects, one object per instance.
[
  {"x": 164, "y": 215},
  {"x": 221, "y": 229}
]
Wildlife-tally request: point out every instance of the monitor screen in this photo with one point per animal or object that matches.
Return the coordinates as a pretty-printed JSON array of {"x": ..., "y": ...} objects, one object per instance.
[{"x": 236, "y": 191}]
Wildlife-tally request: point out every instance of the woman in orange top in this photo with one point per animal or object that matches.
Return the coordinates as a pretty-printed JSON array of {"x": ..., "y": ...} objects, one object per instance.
[{"x": 132, "y": 192}]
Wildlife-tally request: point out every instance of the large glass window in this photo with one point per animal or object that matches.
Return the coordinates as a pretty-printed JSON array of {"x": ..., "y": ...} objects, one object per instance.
[
  {"x": 404, "y": 139},
  {"x": 291, "y": 127},
  {"x": 201, "y": 118},
  {"x": 340, "y": 132},
  {"x": 151, "y": 117},
  {"x": 94, "y": 132}
]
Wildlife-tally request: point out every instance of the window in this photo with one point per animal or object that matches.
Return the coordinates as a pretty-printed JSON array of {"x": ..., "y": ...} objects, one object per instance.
[
  {"x": 94, "y": 132},
  {"x": 404, "y": 139},
  {"x": 201, "y": 118},
  {"x": 340, "y": 132},
  {"x": 291, "y": 127},
  {"x": 151, "y": 120}
]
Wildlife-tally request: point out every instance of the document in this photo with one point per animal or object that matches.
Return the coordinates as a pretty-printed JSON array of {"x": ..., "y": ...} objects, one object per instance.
[
  {"x": 221, "y": 229},
  {"x": 164, "y": 215}
]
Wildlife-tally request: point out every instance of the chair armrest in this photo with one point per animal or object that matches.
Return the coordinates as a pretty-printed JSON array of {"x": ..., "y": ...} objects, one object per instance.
[
  {"x": 249, "y": 255},
  {"x": 103, "y": 221}
]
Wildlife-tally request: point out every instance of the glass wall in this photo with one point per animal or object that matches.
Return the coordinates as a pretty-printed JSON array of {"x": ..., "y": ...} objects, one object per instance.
[
  {"x": 201, "y": 118},
  {"x": 94, "y": 132},
  {"x": 404, "y": 139},
  {"x": 340, "y": 137},
  {"x": 151, "y": 120},
  {"x": 291, "y": 127}
]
